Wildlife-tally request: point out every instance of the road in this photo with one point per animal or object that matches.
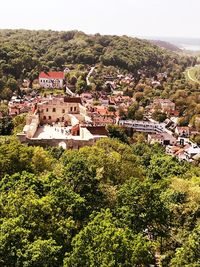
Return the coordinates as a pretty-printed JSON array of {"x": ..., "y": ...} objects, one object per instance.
[
  {"x": 69, "y": 92},
  {"x": 89, "y": 74}
]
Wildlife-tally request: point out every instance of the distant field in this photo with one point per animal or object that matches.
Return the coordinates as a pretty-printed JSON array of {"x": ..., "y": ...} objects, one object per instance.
[{"x": 193, "y": 74}]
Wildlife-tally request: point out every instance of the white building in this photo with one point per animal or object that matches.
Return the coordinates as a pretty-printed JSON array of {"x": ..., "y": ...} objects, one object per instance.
[
  {"x": 191, "y": 152},
  {"x": 143, "y": 126},
  {"x": 54, "y": 79}
]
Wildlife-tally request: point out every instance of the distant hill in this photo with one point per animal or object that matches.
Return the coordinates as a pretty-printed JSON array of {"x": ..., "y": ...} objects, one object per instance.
[
  {"x": 24, "y": 54},
  {"x": 166, "y": 45},
  {"x": 25, "y": 51}
]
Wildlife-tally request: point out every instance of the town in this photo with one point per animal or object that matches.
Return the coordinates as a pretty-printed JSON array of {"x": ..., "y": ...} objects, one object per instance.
[{"x": 74, "y": 120}]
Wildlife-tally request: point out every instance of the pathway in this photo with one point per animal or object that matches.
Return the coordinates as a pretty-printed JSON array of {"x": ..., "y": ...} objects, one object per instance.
[
  {"x": 89, "y": 74},
  {"x": 189, "y": 75}
]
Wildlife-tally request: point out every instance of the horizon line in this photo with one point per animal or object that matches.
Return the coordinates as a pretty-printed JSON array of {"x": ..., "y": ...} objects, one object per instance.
[{"x": 140, "y": 36}]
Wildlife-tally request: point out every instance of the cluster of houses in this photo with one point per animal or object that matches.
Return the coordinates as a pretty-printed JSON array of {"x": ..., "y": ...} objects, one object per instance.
[
  {"x": 77, "y": 120},
  {"x": 178, "y": 144},
  {"x": 164, "y": 105}
]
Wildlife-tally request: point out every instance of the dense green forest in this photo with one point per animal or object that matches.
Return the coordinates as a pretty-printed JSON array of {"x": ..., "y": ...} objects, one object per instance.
[
  {"x": 23, "y": 51},
  {"x": 112, "y": 204}
]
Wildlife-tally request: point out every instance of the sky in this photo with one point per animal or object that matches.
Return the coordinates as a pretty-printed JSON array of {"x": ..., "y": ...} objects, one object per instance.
[{"x": 161, "y": 18}]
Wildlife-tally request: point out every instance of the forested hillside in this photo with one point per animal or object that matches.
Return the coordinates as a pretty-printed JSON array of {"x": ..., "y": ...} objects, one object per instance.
[
  {"x": 107, "y": 205},
  {"x": 28, "y": 50},
  {"x": 24, "y": 53}
]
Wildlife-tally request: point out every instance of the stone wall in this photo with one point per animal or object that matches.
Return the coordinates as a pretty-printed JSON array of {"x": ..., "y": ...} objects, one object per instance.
[
  {"x": 70, "y": 143},
  {"x": 31, "y": 127}
]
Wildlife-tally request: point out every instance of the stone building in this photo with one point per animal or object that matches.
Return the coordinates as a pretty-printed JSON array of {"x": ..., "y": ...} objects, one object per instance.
[
  {"x": 60, "y": 121},
  {"x": 68, "y": 110}
]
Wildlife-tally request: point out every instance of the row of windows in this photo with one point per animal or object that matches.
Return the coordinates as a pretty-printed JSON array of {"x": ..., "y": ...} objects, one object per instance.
[
  {"x": 49, "y": 117},
  {"x": 44, "y": 118},
  {"x": 50, "y": 81},
  {"x": 71, "y": 108},
  {"x": 63, "y": 110},
  {"x": 52, "y": 85}
]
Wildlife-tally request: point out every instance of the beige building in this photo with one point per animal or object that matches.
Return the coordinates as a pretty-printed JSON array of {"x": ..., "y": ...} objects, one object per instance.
[
  {"x": 67, "y": 110},
  {"x": 162, "y": 138}
]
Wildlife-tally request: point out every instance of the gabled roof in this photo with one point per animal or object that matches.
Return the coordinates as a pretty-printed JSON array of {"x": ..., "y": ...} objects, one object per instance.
[
  {"x": 52, "y": 75},
  {"x": 183, "y": 128}
]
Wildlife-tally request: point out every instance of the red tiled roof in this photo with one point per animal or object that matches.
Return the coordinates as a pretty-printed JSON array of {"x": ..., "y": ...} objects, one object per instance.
[
  {"x": 103, "y": 111},
  {"x": 183, "y": 128},
  {"x": 52, "y": 75}
]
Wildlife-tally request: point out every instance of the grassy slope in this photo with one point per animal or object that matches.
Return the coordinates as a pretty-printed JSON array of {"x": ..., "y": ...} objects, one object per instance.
[{"x": 193, "y": 74}]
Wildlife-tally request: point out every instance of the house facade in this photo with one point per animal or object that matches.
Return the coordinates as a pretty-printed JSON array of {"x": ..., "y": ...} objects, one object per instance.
[
  {"x": 61, "y": 109},
  {"x": 142, "y": 126},
  {"x": 54, "y": 79},
  {"x": 162, "y": 138},
  {"x": 183, "y": 131}
]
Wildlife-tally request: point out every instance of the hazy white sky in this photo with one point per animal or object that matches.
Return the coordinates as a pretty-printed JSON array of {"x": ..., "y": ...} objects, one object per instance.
[{"x": 176, "y": 18}]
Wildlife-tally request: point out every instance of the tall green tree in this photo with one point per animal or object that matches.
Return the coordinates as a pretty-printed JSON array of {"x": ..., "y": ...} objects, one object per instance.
[
  {"x": 188, "y": 254},
  {"x": 104, "y": 243}
]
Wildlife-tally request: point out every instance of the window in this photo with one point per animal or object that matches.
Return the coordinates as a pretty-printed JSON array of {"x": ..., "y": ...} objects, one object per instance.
[
  {"x": 49, "y": 117},
  {"x": 63, "y": 111},
  {"x": 74, "y": 108},
  {"x": 47, "y": 109},
  {"x": 54, "y": 109},
  {"x": 71, "y": 109},
  {"x": 44, "y": 118}
]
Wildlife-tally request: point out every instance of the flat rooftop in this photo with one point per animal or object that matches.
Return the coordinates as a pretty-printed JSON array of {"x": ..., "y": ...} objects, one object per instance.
[{"x": 53, "y": 132}]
